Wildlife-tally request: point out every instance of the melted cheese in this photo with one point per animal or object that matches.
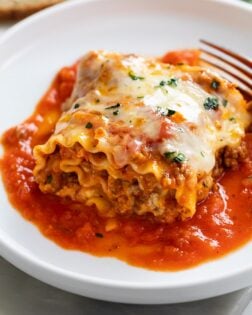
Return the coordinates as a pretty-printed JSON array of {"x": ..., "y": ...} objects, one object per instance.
[
  {"x": 139, "y": 136},
  {"x": 138, "y": 92}
]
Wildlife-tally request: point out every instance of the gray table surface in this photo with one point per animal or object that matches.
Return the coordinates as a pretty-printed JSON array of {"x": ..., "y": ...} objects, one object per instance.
[{"x": 21, "y": 294}]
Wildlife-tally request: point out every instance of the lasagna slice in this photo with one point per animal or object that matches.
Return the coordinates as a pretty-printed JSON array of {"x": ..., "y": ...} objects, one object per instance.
[{"x": 140, "y": 136}]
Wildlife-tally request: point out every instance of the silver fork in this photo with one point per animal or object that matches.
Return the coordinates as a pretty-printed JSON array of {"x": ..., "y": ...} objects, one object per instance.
[{"x": 232, "y": 65}]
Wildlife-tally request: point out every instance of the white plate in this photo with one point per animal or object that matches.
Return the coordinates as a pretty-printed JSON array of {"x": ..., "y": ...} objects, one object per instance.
[{"x": 30, "y": 55}]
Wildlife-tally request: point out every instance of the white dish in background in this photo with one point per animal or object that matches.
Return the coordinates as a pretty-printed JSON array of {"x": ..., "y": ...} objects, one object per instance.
[{"x": 30, "y": 55}]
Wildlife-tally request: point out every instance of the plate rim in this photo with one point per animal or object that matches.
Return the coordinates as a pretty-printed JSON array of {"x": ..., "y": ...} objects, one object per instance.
[
  {"x": 64, "y": 5},
  {"x": 9, "y": 250}
]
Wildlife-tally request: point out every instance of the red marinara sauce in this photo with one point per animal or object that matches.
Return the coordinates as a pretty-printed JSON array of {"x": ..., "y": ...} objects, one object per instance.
[{"x": 223, "y": 222}]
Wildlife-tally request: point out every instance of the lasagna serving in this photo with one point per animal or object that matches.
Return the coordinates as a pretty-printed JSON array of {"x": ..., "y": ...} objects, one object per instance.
[{"x": 139, "y": 136}]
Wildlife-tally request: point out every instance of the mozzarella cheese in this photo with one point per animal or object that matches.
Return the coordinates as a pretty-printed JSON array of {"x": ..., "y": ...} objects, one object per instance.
[
  {"x": 140, "y": 136},
  {"x": 149, "y": 96}
]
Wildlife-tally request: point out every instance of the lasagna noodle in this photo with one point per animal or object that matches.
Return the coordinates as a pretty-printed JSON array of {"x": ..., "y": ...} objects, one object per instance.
[{"x": 137, "y": 137}]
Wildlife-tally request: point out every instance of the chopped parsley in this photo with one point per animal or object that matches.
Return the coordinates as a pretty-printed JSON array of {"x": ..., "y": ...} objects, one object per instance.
[
  {"x": 232, "y": 119},
  {"x": 170, "y": 112},
  {"x": 177, "y": 157},
  {"x": 172, "y": 82},
  {"x": 99, "y": 235},
  {"x": 134, "y": 77},
  {"x": 224, "y": 103},
  {"x": 76, "y": 106},
  {"x": 89, "y": 125},
  {"x": 116, "y": 112},
  {"x": 215, "y": 85},
  {"x": 49, "y": 179},
  {"x": 139, "y": 97},
  {"x": 113, "y": 106},
  {"x": 211, "y": 103},
  {"x": 202, "y": 153},
  {"x": 165, "y": 112}
]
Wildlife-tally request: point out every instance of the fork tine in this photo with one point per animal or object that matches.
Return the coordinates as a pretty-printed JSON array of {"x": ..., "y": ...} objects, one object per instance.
[
  {"x": 243, "y": 71},
  {"x": 236, "y": 56},
  {"x": 246, "y": 94},
  {"x": 241, "y": 80}
]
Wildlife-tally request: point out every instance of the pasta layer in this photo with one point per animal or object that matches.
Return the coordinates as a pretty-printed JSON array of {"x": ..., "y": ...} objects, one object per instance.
[{"x": 139, "y": 136}]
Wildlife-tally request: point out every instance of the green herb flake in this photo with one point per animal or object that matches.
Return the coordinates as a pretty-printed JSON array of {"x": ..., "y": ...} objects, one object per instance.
[
  {"x": 211, "y": 103},
  {"x": 49, "y": 179},
  {"x": 170, "y": 155},
  {"x": 113, "y": 106},
  {"x": 134, "y": 77},
  {"x": 116, "y": 112},
  {"x": 89, "y": 125},
  {"x": 177, "y": 157},
  {"x": 224, "y": 103},
  {"x": 170, "y": 112},
  {"x": 172, "y": 82},
  {"x": 76, "y": 106},
  {"x": 215, "y": 84},
  {"x": 165, "y": 112},
  {"x": 180, "y": 158},
  {"x": 202, "y": 153},
  {"x": 99, "y": 235},
  {"x": 140, "y": 97}
]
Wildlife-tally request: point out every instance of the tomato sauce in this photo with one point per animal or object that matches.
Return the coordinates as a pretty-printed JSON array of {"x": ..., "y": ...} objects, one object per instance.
[{"x": 223, "y": 222}]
